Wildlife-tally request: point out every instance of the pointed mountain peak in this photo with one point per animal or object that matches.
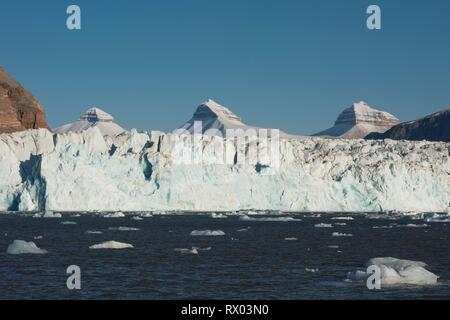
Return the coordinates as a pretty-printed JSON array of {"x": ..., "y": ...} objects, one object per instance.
[
  {"x": 212, "y": 109},
  {"x": 96, "y": 114},
  {"x": 93, "y": 117},
  {"x": 359, "y": 120}
]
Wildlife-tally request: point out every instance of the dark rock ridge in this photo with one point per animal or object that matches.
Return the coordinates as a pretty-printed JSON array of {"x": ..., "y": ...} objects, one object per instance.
[
  {"x": 19, "y": 110},
  {"x": 435, "y": 127}
]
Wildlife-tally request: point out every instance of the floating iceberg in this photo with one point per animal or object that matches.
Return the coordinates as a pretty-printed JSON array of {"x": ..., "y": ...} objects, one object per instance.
[
  {"x": 123, "y": 229},
  {"x": 68, "y": 222},
  {"x": 338, "y": 234},
  {"x": 397, "y": 272},
  {"x": 323, "y": 225},
  {"x": 436, "y": 217},
  {"x": 23, "y": 247},
  {"x": 187, "y": 251},
  {"x": 114, "y": 215},
  {"x": 47, "y": 214},
  {"x": 268, "y": 219},
  {"x": 218, "y": 215},
  {"x": 93, "y": 232},
  {"x": 208, "y": 233},
  {"x": 111, "y": 245}
]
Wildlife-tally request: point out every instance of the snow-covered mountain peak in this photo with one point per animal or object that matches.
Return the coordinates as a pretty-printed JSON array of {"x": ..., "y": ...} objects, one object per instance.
[
  {"x": 212, "y": 109},
  {"x": 93, "y": 117},
  {"x": 96, "y": 114},
  {"x": 359, "y": 120}
]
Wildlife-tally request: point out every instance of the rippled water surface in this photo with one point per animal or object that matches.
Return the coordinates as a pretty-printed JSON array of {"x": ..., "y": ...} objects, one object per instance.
[{"x": 253, "y": 260}]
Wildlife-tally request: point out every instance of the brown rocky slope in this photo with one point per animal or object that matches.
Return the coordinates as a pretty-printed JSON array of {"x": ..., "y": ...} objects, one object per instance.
[{"x": 19, "y": 110}]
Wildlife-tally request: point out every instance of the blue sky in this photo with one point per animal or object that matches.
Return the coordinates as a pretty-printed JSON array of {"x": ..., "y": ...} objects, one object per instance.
[{"x": 287, "y": 64}]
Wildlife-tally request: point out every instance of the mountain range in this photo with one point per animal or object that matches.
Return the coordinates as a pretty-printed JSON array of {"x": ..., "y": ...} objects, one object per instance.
[{"x": 20, "y": 110}]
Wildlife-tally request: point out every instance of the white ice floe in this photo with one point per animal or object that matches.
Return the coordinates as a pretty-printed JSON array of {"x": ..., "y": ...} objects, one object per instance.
[
  {"x": 436, "y": 217},
  {"x": 338, "y": 234},
  {"x": 123, "y": 229},
  {"x": 383, "y": 227},
  {"x": 114, "y": 215},
  {"x": 323, "y": 225},
  {"x": 412, "y": 225},
  {"x": 47, "y": 214},
  {"x": 24, "y": 247},
  {"x": 146, "y": 215},
  {"x": 243, "y": 229},
  {"x": 218, "y": 215},
  {"x": 111, "y": 245},
  {"x": 340, "y": 224},
  {"x": 137, "y": 218},
  {"x": 68, "y": 222},
  {"x": 38, "y": 238},
  {"x": 291, "y": 239},
  {"x": 312, "y": 270},
  {"x": 397, "y": 272},
  {"x": 93, "y": 232},
  {"x": 343, "y": 218},
  {"x": 268, "y": 219},
  {"x": 208, "y": 233},
  {"x": 187, "y": 251}
]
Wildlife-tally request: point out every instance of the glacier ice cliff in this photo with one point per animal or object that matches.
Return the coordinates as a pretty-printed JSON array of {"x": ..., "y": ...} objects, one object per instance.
[{"x": 141, "y": 172}]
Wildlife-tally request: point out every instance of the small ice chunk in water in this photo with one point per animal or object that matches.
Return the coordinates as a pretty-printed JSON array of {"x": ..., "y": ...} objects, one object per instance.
[
  {"x": 114, "y": 215},
  {"x": 268, "y": 219},
  {"x": 218, "y": 216},
  {"x": 147, "y": 215},
  {"x": 137, "y": 218},
  {"x": 93, "y": 232},
  {"x": 23, "y": 247},
  {"x": 312, "y": 270},
  {"x": 398, "y": 272},
  {"x": 68, "y": 222},
  {"x": 343, "y": 218},
  {"x": 323, "y": 225},
  {"x": 290, "y": 239},
  {"x": 47, "y": 214},
  {"x": 436, "y": 217},
  {"x": 243, "y": 229},
  {"x": 38, "y": 238},
  {"x": 111, "y": 245},
  {"x": 187, "y": 251},
  {"x": 123, "y": 229},
  {"x": 208, "y": 233},
  {"x": 51, "y": 214},
  {"x": 338, "y": 234}
]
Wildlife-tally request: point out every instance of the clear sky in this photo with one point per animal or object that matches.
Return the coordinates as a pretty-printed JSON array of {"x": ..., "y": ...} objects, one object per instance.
[{"x": 293, "y": 65}]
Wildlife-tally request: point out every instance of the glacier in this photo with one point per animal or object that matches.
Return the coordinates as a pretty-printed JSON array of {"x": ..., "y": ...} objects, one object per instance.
[{"x": 141, "y": 171}]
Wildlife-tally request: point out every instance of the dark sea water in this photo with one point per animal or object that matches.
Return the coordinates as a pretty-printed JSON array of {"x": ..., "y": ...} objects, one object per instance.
[{"x": 254, "y": 264}]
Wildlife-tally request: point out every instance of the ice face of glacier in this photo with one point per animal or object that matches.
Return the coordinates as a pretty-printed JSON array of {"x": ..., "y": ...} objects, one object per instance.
[
  {"x": 139, "y": 171},
  {"x": 93, "y": 117}
]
